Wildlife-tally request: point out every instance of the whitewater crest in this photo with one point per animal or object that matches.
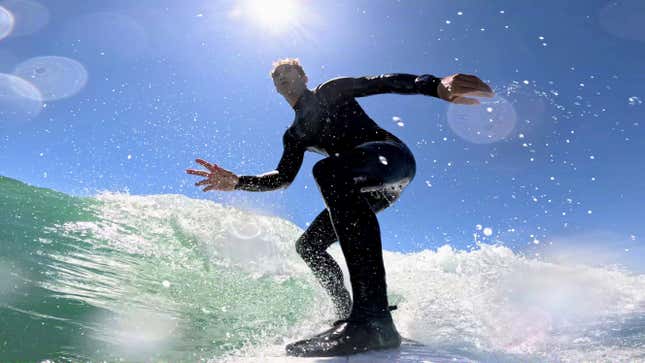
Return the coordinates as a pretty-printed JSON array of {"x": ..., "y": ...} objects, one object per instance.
[{"x": 169, "y": 277}]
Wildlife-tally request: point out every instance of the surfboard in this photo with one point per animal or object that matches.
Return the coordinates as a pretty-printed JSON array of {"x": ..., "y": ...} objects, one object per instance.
[{"x": 410, "y": 351}]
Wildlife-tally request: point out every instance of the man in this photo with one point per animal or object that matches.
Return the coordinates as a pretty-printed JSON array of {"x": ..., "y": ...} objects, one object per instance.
[{"x": 364, "y": 171}]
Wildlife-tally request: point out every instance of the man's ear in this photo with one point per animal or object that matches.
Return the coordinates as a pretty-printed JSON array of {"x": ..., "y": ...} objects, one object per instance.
[{"x": 306, "y": 79}]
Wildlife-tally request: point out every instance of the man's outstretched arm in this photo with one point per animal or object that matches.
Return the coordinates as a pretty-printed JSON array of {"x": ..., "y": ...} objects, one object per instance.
[
  {"x": 400, "y": 83},
  {"x": 285, "y": 173},
  {"x": 452, "y": 88},
  {"x": 218, "y": 178}
]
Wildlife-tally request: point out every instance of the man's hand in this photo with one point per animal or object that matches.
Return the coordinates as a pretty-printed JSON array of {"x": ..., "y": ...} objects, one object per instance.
[
  {"x": 216, "y": 177},
  {"x": 454, "y": 89}
]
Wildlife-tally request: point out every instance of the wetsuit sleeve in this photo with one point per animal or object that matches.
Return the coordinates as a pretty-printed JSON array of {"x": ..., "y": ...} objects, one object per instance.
[
  {"x": 400, "y": 83},
  {"x": 284, "y": 174}
]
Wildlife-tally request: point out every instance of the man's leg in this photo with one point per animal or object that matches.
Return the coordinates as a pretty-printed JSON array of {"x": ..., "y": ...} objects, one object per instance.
[
  {"x": 359, "y": 235},
  {"x": 343, "y": 180},
  {"x": 346, "y": 182},
  {"x": 312, "y": 246}
]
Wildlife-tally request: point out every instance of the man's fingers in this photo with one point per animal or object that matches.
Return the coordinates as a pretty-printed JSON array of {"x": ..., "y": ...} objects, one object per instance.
[
  {"x": 210, "y": 187},
  {"x": 467, "y": 78},
  {"x": 481, "y": 87},
  {"x": 465, "y": 101},
  {"x": 204, "y": 163},
  {"x": 473, "y": 91},
  {"x": 198, "y": 172},
  {"x": 478, "y": 93},
  {"x": 207, "y": 165},
  {"x": 203, "y": 182},
  {"x": 469, "y": 81}
]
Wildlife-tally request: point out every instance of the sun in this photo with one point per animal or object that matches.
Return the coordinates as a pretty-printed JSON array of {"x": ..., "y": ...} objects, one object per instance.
[{"x": 272, "y": 15}]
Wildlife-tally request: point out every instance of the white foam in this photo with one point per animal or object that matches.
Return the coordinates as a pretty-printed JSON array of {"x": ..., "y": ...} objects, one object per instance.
[
  {"x": 494, "y": 300},
  {"x": 487, "y": 303}
]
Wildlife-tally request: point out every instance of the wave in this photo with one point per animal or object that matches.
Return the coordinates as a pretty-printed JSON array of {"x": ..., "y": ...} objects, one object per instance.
[{"x": 166, "y": 277}]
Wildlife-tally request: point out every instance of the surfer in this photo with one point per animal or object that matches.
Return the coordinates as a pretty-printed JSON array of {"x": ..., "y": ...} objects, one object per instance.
[{"x": 364, "y": 171}]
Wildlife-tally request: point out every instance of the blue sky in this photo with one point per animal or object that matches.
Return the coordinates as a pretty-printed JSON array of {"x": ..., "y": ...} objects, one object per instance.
[{"x": 169, "y": 81}]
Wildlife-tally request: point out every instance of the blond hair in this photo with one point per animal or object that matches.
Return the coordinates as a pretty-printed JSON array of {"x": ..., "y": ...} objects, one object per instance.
[{"x": 295, "y": 62}]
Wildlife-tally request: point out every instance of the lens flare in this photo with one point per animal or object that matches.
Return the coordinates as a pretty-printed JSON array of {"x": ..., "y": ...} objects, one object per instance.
[
  {"x": 6, "y": 22},
  {"x": 27, "y": 16},
  {"x": 55, "y": 77},
  {"x": 489, "y": 122},
  {"x": 20, "y": 100},
  {"x": 623, "y": 19}
]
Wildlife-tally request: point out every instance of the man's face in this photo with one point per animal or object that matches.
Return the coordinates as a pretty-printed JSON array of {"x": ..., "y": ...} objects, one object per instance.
[{"x": 287, "y": 79}]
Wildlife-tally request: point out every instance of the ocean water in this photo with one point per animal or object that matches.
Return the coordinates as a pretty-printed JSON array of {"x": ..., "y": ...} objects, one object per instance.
[{"x": 120, "y": 277}]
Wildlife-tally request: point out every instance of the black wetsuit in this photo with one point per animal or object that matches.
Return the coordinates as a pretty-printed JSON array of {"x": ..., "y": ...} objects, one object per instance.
[{"x": 365, "y": 170}]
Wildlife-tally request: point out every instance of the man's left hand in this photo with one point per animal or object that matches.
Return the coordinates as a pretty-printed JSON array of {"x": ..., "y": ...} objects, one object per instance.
[{"x": 455, "y": 88}]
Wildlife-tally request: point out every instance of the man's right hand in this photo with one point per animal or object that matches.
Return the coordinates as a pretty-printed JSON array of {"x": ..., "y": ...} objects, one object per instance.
[{"x": 216, "y": 177}]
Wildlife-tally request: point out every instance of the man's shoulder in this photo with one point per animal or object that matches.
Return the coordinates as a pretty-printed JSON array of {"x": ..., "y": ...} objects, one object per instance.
[
  {"x": 334, "y": 86},
  {"x": 293, "y": 135}
]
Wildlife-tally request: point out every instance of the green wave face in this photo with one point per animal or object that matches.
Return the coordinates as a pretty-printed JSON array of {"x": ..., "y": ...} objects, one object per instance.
[{"x": 140, "y": 278}]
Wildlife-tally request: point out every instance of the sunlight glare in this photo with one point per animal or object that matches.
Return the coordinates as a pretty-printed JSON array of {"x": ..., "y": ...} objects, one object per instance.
[{"x": 273, "y": 15}]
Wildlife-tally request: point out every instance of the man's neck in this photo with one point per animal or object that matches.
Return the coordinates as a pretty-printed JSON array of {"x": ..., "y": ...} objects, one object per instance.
[{"x": 293, "y": 98}]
